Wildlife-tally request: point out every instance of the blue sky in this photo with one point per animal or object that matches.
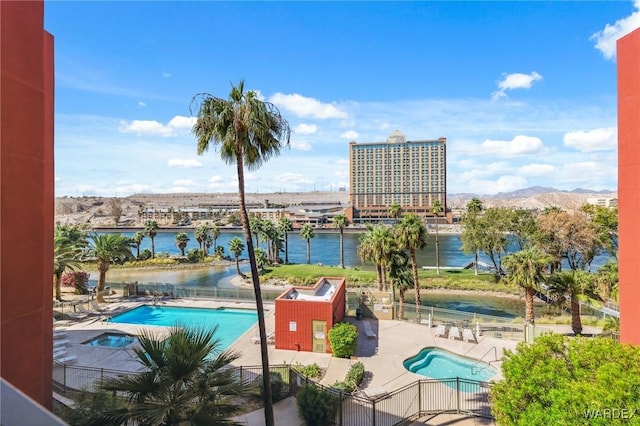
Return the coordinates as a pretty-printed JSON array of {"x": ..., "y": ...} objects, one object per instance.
[{"x": 524, "y": 92}]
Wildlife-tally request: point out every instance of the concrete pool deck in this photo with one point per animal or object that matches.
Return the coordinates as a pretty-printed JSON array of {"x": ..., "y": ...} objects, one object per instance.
[{"x": 382, "y": 355}]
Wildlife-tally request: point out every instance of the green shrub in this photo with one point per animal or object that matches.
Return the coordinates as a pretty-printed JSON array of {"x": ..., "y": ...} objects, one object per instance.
[
  {"x": 194, "y": 255},
  {"x": 343, "y": 338},
  {"x": 312, "y": 370},
  {"x": 317, "y": 407},
  {"x": 278, "y": 389},
  {"x": 355, "y": 374},
  {"x": 343, "y": 386}
]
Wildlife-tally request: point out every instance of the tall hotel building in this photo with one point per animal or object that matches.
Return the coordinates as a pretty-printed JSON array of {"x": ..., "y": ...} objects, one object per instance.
[{"x": 410, "y": 173}]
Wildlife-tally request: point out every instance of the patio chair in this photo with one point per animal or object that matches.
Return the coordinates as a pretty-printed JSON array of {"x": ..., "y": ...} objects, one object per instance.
[
  {"x": 467, "y": 335},
  {"x": 454, "y": 333},
  {"x": 271, "y": 338},
  {"x": 368, "y": 330},
  {"x": 441, "y": 331},
  {"x": 96, "y": 306}
]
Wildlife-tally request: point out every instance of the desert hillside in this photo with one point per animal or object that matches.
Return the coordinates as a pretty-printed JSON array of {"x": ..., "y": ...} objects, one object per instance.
[{"x": 98, "y": 211}]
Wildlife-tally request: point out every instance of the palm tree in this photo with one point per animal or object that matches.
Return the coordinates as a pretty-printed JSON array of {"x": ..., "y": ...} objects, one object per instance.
[
  {"x": 248, "y": 132},
  {"x": 411, "y": 234},
  {"x": 137, "y": 240},
  {"x": 469, "y": 237},
  {"x": 377, "y": 246},
  {"x": 68, "y": 243},
  {"x": 395, "y": 211},
  {"x": 525, "y": 269},
  {"x": 201, "y": 233},
  {"x": 185, "y": 381},
  {"x": 104, "y": 249},
  {"x": 577, "y": 285},
  {"x": 214, "y": 232},
  {"x": 285, "y": 226},
  {"x": 261, "y": 258},
  {"x": 340, "y": 221},
  {"x": 256, "y": 224},
  {"x": 181, "y": 241},
  {"x": 236, "y": 247},
  {"x": 306, "y": 233},
  {"x": 401, "y": 276},
  {"x": 436, "y": 209},
  {"x": 151, "y": 229}
]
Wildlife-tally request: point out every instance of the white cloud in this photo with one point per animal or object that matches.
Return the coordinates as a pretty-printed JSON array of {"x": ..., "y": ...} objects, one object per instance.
[
  {"x": 537, "y": 170},
  {"x": 305, "y": 129},
  {"x": 182, "y": 122},
  {"x": 606, "y": 38},
  {"x": 300, "y": 145},
  {"x": 57, "y": 179},
  {"x": 307, "y": 107},
  {"x": 601, "y": 139},
  {"x": 167, "y": 74},
  {"x": 146, "y": 127},
  {"x": 142, "y": 104},
  {"x": 349, "y": 134},
  {"x": 515, "y": 81},
  {"x": 519, "y": 146},
  {"x": 587, "y": 173},
  {"x": 184, "y": 163}
]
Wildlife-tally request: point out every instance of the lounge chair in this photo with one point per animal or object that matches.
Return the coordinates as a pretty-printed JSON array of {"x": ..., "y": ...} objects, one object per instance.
[
  {"x": 376, "y": 392},
  {"x": 60, "y": 342},
  {"x": 59, "y": 334},
  {"x": 454, "y": 333},
  {"x": 96, "y": 306},
  {"x": 67, "y": 359},
  {"x": 467, "y": 335},
  {"x": 271, "y": 336},
  {"x": 59, "y": 353},
  {"x": 441, "y": 331},
  {"x": 368, "y": 330}
]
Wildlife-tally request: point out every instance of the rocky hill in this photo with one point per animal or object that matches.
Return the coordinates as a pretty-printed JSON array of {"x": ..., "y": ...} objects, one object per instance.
[{"x": 98, "y": 211}]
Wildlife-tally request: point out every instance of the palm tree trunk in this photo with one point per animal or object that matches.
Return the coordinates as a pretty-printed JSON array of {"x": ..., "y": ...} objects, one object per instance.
[
  {"x": 286, "y": 247},
  {"x": 528, "y": 299},
  {"x": 56, "y": 280},
  {"x": 341, "y": 248},
  {"x": 416, "y": 282},
  {"x": 153, "y": 247},
  {"x": 576, "y": 323},
  {"x": 102, "y": 277},
  {"x": 266, "y": 378},
  {"x": 137, "y": 250},
  {"x": 476, "y": 262},
  {"x": 379, "y": 276},
  {"x": 308, "y": 251},
  {"x": 383, "y": 275},
  {"x": 437, "y": 250},
  {"x": 401, "y": 307}
]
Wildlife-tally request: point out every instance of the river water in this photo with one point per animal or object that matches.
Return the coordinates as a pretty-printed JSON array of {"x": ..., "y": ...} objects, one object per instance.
[{"x": 325, "y": 249}]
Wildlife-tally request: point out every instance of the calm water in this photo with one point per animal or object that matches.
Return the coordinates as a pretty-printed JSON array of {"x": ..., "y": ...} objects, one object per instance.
[
  {"x": 169, "y": 316},
  {"x": 440, "y": 364}
]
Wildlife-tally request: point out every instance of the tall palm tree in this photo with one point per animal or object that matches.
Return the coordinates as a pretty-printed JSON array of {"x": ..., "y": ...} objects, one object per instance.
[
  {"x": 104, "y": 249},
  {"x": 436, "y": 209},
  {"x": 236, "y": 247},
  {"x": 151, "y": 229},
  {"x": 248, "y": 132},
  {"x": 525, "y": 269},
  {"x": 306, "y": 233},
  {"x": 256, "y": 224},
  {"x": 285, "y": 226},
  {"x": 401, "y": 276},
  {"x": 577, "y": 285},
  {"x": 181, "y": 241},
  {"x": 340, "y": 221},
  {"x": 469, "y": 236},
  {"x": 377, "y": 246},
  {"x": 137, "y": 240},
  {"x": 395, "y": 211},
  {"x": 411, "y": 234},
  {"x": 214, "y": 232},
  {"x": 201, "y": 233},
  {"x": 185, "y": 381}
]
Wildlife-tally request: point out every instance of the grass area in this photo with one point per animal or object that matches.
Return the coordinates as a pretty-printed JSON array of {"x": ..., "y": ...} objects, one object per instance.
[{"x": 303, "y": 274}]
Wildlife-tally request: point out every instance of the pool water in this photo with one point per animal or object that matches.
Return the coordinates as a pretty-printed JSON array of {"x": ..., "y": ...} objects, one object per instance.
[
  {"x": 112, "y": 340},
  {"x": 440, "y": 364},
  {"x": 232, "y": 323}
]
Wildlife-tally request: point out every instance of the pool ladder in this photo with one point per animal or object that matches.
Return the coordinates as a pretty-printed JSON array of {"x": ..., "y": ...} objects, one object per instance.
[{"x": 475, "y": 364}]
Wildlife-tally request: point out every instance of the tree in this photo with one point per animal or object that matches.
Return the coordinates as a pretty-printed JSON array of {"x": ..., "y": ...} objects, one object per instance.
[
  {"x": 115, "y": 210},
  {"x": 185, "y": 381},
  {"x": 526, "y": 270},
  {"x": 151, "y": 229},
  {"x": 261, "y": 258},
  {"x": 436, "y": 209},
  {"x": 395, "y": 211},
  {"x": 470, "y": 235},
  {"x": 576, "y": 285},
  {"x": 401, "y": 276},
  {"x": 255, "y": 223},
  {"x": 214, "y": 233},
  {"x": 605, "y": 222},
  {"x": 306, "y": 233},
  {"x": 104, "y": 249},
  {"x": 522, "y": 225},
  {"x": 490, "y": 235},
  {"x": 137, "y": 240},
  {"x": 563, "y": 381},
  {"x": 411, "y": 235},
  {"x": 285, "y": 226},
  {"x": 236, "y": 247},
  {"x": 248, "y": 132},
  {"x": 68, "y": 242},
  {"x": 181, "y": 241},
  {"x": 201, "y": 233},
  {"x": 340, "y": 221},
  {"x": 376, "y": 246}
]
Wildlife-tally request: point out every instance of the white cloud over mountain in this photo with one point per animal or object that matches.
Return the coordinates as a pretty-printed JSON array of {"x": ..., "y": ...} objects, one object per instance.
[{"x": 601, "y": 139}]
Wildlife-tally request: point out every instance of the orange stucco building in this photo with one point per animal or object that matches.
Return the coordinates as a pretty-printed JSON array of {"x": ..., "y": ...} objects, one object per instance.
[
  {"x": 26, "y": 199},
  {"x": 629, "y": 186},
  {"x": 304, "y": 315}
]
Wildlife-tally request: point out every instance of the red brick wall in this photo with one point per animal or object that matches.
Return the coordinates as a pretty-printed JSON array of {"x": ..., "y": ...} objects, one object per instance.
[
  {"x": 304, "y": 313},
  {"x": 629, "y": 185},
  {"x": 26, "y": 199}
]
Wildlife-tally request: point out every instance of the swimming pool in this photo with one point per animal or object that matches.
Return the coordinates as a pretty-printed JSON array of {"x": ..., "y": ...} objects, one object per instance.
[
  {"x": 111, "y": 340},
  {"x": 440, "y": 364},
  {"x": 232, "y": 323}
]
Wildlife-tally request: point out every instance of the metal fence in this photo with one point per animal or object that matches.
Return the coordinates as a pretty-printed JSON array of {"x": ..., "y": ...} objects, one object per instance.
[{"x": 421, "y": 398}]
